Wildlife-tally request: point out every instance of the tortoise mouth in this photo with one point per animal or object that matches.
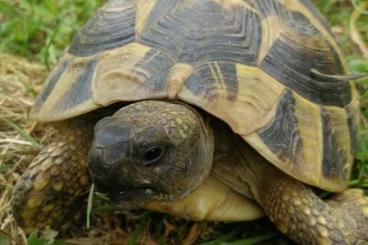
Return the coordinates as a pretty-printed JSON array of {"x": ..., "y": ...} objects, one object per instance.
[{"x": 129, "y": 193}]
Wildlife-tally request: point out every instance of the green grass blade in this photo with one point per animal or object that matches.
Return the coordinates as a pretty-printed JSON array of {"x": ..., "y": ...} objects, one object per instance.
[
  {"x": 34, "y": 239},
  {"x": 90, "y": 205}
]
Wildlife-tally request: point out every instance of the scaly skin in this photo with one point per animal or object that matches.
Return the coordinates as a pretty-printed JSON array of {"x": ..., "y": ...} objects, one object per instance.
[
  {"x": 49, "y": 192},
  {"x": 298, "y": 212},
  {"x": 305, "y": 218}
]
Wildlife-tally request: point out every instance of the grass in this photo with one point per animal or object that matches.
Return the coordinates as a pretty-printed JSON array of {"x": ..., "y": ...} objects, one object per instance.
[{"x": 39, "y": 31}]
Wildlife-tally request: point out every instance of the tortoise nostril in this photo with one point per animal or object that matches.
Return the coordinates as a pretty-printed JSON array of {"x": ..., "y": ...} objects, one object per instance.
[
  {"x": 104, "y": 161},
  {"x": 98, "y": 164}
]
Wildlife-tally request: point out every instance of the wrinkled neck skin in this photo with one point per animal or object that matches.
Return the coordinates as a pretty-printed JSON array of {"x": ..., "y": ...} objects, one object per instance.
[
  {"x": 237, "y": 164},
  {"x": 233, "y": 159},
  {"x": 151, "y": 151}
]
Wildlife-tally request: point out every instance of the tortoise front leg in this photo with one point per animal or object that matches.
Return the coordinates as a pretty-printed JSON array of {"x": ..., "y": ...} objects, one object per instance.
[
  {"x": 303, "y": 216},
  {"x": 49, "y": 192}
]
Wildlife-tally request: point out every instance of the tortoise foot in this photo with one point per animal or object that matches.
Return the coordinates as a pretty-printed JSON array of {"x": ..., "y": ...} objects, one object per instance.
[
  {"x": 49, "y": 192},
  {"x": 352, "y": 205}
]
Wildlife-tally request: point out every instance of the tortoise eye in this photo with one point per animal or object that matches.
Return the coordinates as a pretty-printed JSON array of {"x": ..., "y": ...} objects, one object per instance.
[{"x": 153, "y": 154}]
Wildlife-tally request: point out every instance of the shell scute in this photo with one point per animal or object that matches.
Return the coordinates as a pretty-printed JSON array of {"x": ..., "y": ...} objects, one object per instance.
[
  {"x": 179, "y": 27},
  {"x": 247, "y": 62},
  {"x": 110, "y": 27}
]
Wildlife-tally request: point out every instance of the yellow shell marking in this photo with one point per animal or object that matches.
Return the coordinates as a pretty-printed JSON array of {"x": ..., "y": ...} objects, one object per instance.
[
  {"x": 271, "y": 28},
  {"x": 232, "y": 4},
  {"x": 144, "y": 8},
  {"x": 116, "y": 74},
  {"x": 254, "y": 105},
  {"x": 308, "y": 117},
  {"x": 257, "y": 96},
  {"x": 178, "y": 74}
]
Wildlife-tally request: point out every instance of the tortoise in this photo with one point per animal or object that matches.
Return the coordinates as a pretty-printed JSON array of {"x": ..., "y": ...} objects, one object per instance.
[{"x": 205, "y": 109}]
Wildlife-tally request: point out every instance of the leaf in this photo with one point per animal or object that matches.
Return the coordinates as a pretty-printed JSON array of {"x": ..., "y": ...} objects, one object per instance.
[
  {"x": 358, "y": 65},
  {"x": 33, "y": 239}
]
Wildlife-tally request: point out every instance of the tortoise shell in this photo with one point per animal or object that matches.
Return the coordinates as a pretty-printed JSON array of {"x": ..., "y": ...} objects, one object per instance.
[{"x": 247, "y": 62}]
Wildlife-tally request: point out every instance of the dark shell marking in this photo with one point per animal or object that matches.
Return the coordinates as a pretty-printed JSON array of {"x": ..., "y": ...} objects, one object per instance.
[
  {"x": 222, "y": 35},
  {"x": 107, "y": 29},
  {"x": 282, "y": 135},
  {"x": 51, "y": 82},
  {"x": 291, "y": 63},
  {"x": 210, "y": 79},
  {"x": 80, "y": 91},
  {"x": 334, "y": 157},
  {"x": 156, "y": 64}
]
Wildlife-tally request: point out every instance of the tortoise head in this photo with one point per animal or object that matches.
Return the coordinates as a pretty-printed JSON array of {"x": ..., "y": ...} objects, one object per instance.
[{"x": 150, "y": 151}]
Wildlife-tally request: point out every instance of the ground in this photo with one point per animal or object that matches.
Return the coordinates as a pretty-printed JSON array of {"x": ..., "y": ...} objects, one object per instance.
[{"x": 33, "y": 34}]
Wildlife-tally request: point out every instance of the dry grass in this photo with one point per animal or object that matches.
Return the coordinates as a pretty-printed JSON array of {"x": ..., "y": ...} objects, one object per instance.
[{"x": 18, "y": 79}]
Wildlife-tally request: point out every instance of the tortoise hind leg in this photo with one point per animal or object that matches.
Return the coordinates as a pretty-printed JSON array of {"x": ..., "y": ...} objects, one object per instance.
[
  {"x": 297, "y": 211},
  {"x": 50, "y": 190},
  {"x": 356, "y": 203},
  {"x": 306, "y": 218}
]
